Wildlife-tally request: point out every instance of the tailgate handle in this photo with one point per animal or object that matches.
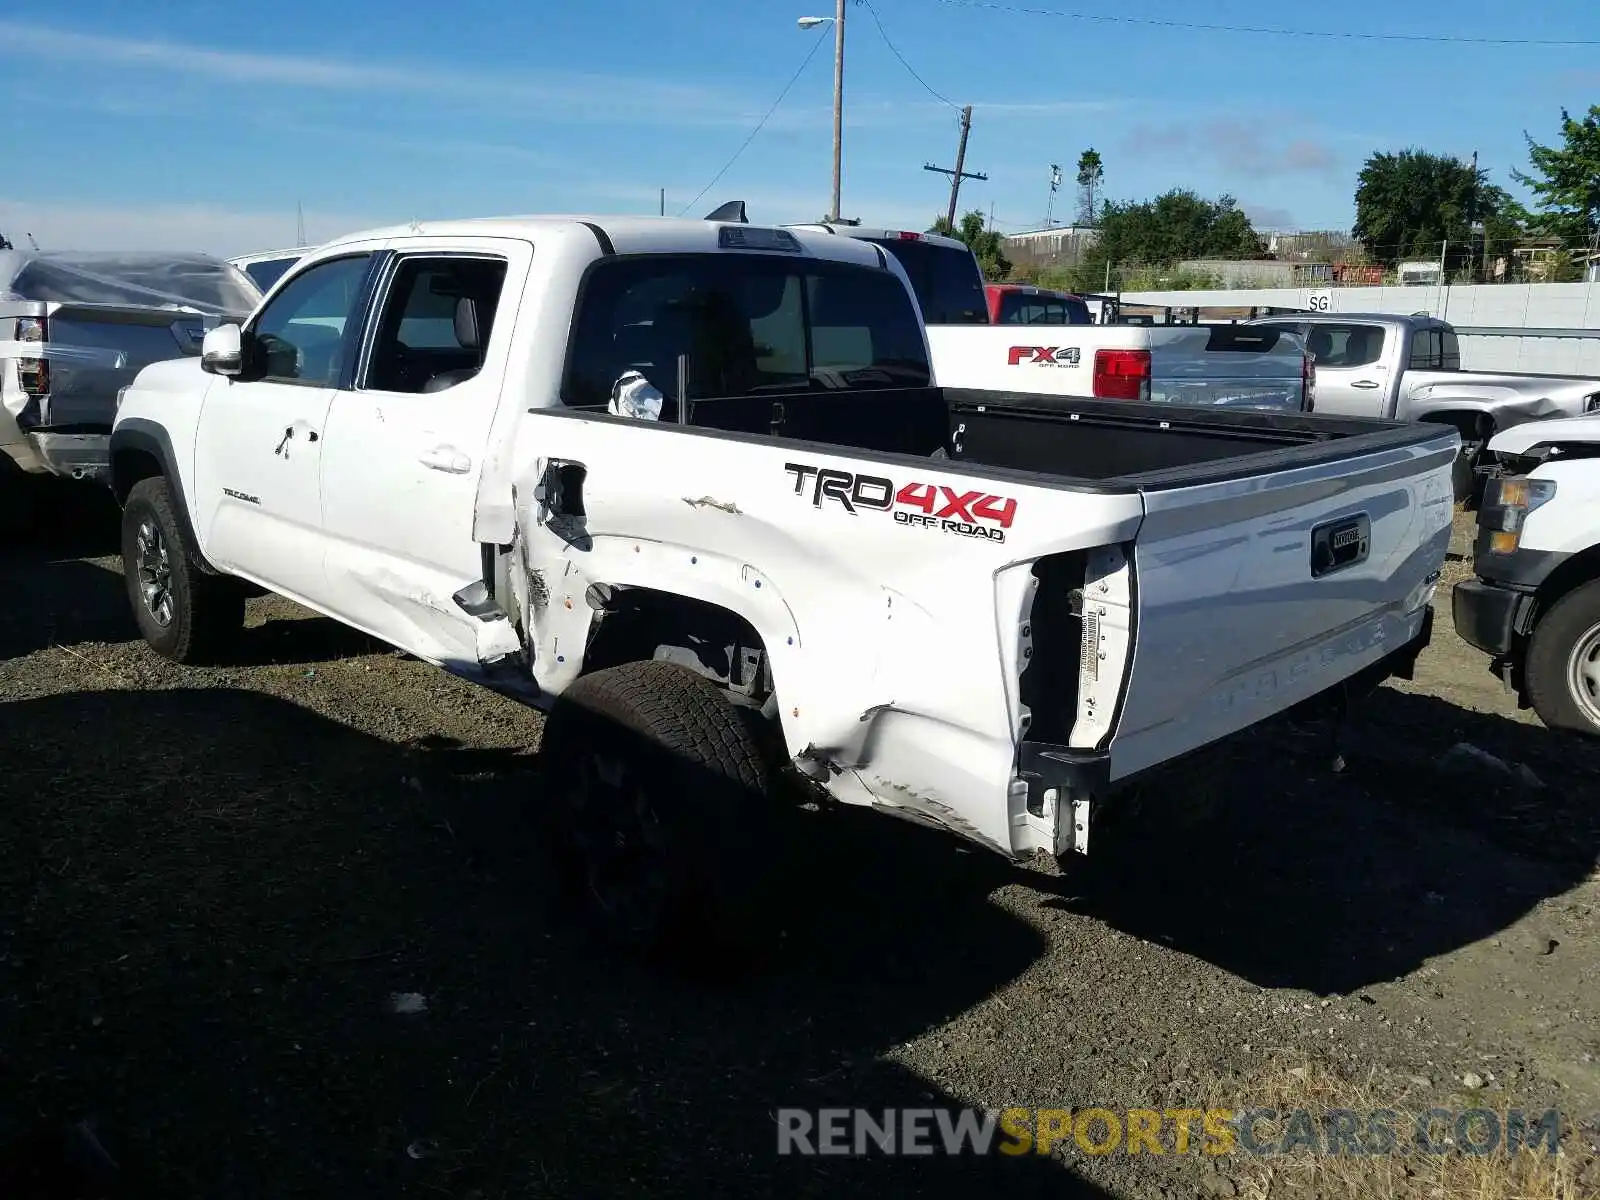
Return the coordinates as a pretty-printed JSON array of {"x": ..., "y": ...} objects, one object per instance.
[{"x": 1340, "y": 544}]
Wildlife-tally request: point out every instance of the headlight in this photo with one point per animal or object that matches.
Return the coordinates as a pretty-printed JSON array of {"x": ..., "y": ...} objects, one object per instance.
[{"x": 1507, "y": 501}]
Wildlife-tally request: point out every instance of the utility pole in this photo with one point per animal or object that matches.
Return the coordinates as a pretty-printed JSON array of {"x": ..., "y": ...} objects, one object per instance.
[
  {"x": 957, "y": 175},
  {"x": 1472, "y": 217},
  {"x": 663, "y": 202},
  {"x": 300, "y": 223},
  {"x": 838, "y": 106}
]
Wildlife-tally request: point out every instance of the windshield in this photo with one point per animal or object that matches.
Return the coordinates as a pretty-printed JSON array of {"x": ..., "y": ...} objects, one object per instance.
[
  {"x": 947, "y": 280},
  {"x": 268, "y": 271},
  {"x": 197, "y": 281},
  {"x": 747, "y": 325}
]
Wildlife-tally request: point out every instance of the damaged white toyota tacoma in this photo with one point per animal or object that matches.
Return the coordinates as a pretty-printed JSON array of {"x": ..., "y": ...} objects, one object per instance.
[{"x": 691, "y": 486}]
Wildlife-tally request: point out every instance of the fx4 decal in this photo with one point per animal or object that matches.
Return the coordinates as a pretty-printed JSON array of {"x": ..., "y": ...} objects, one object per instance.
[
  {"x": 921, "y": 505},
  {"x": 1048, "y": 356}
]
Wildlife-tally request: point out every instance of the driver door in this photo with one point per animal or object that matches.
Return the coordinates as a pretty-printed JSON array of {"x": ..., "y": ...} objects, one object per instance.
[{"x": 258, "y": 454}]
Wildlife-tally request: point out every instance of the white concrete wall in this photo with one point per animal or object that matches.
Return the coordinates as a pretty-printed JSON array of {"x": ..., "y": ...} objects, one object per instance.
[{"x": 1564, "y": 306}]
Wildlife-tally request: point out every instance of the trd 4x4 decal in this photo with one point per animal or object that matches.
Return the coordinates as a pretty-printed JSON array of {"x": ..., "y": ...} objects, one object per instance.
[
  {"x": 1048, "y": 356},
  {"x": 924, "y": 505}
]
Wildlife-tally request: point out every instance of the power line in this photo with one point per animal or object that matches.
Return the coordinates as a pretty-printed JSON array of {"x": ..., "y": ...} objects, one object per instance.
[
  {"x": 1275, "y": 31},
  {"x": 761, "y": 124},
  {"x": 883, "y": 33}
]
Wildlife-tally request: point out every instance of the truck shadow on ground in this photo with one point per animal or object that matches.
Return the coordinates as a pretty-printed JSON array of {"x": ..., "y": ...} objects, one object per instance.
[
  {"x": 204, "y": 921},
  {"x": 1294, "y": 876}
]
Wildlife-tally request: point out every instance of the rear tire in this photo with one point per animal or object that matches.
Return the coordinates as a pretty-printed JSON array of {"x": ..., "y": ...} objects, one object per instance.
[
  {"x": 1563, "y": 664},
  {"x": 184, "y": 613},
  {"x": 654, "y": 789}
]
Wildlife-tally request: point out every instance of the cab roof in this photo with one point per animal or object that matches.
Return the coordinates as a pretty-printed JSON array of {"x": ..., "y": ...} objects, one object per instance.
[{"x": 626, "y": 234}]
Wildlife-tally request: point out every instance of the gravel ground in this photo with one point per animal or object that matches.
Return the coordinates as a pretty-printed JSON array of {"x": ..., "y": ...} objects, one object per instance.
[{"x": 213, "y": 881}]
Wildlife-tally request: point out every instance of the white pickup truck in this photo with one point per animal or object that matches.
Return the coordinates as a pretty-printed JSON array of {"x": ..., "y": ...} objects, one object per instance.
[
  {"x": 1534, "y": 605},
  {"x": 1210, "y": 366},
  {"x": 964, "y": 608}
]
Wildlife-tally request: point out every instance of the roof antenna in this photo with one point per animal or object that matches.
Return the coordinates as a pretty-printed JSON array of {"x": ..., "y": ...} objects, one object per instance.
[
  {"x": 733, "y": 210},
  {"x": 300, "y": 223},
  {"x": 31, "y": 242}
]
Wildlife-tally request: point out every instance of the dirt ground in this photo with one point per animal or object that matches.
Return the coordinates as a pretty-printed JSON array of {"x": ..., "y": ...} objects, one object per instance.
[{"x": 213, "y": 883}]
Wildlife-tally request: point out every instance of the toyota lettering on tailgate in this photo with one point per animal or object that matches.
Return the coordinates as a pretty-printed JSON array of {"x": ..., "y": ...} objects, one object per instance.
[
  {"x": 1045, "y": 356},
  {"x": 922, "y": 505}
]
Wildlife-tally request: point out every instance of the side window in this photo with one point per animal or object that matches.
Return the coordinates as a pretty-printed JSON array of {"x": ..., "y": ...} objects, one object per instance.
[
  {"x": 300, "y": 334},
  {"x": 1344, "y": 345},
  {"x": 438, "y": 312}
]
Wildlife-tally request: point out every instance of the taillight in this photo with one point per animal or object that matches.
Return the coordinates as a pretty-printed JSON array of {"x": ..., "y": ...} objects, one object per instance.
[
  {"x": 1122, "y": 374},
  {"x": 33, "y": 373},
  {"x": 1308, "y": 381}
]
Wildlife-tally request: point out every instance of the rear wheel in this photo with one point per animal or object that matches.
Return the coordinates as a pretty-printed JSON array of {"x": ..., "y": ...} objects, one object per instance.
[
  {"x": 1563, "y": 667},
  {"x": 654, "y": 785},
  {"x": 184, "y": 613}
]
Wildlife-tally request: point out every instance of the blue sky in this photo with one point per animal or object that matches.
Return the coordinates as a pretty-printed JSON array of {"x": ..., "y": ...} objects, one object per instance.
[{"x": 195, "y": 125}]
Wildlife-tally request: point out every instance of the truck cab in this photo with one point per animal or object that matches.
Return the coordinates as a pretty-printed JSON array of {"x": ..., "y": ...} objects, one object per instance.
[{"x": 1533, "y": 604}]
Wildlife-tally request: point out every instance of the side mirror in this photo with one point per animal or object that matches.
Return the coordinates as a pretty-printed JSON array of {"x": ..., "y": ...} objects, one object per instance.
[{"x": 222, "y": 351}]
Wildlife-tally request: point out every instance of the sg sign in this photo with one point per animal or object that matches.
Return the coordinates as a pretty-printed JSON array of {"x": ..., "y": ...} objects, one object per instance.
[{"x": 1320, "y": 300}]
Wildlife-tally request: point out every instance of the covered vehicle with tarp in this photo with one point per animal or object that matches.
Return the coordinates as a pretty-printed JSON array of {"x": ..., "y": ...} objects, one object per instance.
[{"x": 77, "y": 326}]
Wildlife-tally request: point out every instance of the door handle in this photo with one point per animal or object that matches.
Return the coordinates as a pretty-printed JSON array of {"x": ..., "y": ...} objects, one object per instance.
[
  {"x": 288, "y": 435},
  {"x": 447, "y": 459},
  {"x": 1364, "y": 383}
]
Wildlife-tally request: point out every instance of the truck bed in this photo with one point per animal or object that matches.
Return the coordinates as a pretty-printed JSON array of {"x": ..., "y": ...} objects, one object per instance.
[{"x": 1106, "y": 445}]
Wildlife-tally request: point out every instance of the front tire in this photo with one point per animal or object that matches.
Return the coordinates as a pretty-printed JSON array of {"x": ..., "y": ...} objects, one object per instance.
[
  {"x": 1563, "y": 666},
  {"x": 184, "y": 613},
  {"x": 654, "y": 787}
]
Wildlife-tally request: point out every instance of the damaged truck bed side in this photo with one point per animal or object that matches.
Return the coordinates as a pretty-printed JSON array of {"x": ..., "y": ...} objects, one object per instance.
[{"x": 981, "y": 610}]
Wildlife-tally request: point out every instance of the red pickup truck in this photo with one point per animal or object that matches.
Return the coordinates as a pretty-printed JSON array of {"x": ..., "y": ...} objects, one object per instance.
[{"x": 1021, "y": 304}]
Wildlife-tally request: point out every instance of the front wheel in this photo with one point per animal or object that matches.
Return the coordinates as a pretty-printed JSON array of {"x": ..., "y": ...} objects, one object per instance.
[
  {"x": 1563, "y": 669},
  {"x": 184, "y": 613},
  {"x": 653, "y": 787}
]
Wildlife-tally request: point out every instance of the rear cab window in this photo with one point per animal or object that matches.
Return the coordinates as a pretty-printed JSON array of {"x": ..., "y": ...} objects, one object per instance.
[
  {"x": 946, "y": 279},
  {"x": 1020, "y": 308},
  {"x": 747, "y": 325}
]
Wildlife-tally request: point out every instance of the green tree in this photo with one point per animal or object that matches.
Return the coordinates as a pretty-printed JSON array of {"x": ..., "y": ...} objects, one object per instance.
[
  {"x": 1412, "y": 204},
  {"x": 1091, "y": 174},
  {"x": 1566, "y": 178},
  {"x": 986, "y": 243},
  {"x": 1175, "y": 225}
]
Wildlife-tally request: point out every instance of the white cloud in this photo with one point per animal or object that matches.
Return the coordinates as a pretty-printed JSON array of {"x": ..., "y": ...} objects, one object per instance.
[
  {"x": 207, "y": 228},
  {"x": 624, "y": 99},
  {"x": 634, "y": 98},
  {"x": 226, "y": 232}
]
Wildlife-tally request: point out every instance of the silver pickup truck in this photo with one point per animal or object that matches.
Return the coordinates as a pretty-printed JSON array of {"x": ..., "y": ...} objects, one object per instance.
[{"x": 1398, "y": 368}]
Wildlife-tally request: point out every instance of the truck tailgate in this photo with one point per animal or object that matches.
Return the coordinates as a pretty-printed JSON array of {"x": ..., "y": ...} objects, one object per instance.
[
  {"x": 92, "y": 350},
  {"x": 1254, "y": 591}
]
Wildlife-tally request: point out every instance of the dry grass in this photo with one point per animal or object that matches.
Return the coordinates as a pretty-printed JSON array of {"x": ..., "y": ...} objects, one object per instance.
[{"x": 1409, "y": 1173}]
